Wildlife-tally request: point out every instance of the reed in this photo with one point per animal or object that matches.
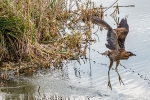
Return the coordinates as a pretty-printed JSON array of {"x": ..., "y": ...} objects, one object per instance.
[{"x": 44, "y": 32}]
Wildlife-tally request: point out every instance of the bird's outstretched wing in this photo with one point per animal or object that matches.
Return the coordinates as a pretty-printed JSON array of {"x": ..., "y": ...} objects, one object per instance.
[
  {"x": 112, "y": 37},
  {"x": 122, "y": 32}
]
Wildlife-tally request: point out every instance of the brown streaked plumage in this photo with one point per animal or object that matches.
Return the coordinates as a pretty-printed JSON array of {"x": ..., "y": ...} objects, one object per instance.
[{"x": 116, "y": 43}]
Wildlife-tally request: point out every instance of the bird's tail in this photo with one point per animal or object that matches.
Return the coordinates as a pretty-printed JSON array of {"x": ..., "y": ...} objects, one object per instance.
[{"x": 106, "y": 53}]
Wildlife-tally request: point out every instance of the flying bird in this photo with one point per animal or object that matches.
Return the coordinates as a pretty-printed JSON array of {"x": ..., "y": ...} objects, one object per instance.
[{"x": 115, "y": 43}]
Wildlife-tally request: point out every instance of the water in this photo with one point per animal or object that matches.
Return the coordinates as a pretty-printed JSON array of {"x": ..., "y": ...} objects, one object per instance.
[{"x": 88, "y": 81}]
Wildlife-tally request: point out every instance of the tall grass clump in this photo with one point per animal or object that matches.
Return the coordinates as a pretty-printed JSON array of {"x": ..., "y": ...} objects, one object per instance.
[
  {"x": 12, "y": 42},
  {"x": 44, "y": 32}
]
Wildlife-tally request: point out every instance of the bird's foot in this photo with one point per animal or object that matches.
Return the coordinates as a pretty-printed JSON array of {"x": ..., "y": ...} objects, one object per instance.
[
  {"x": 109, "y": 85},
  {"x": 120, "y": 80}
]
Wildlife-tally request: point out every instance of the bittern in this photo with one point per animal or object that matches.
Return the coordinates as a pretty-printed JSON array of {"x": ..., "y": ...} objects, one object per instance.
[{"x": 115, "y": 43}]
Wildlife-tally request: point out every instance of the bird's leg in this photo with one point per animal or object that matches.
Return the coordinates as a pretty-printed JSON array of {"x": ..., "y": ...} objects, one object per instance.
[
  {"x": 111, "y": 64},
  {"x": 120, "y": 80},
  {"x": 117, "y": 63}
]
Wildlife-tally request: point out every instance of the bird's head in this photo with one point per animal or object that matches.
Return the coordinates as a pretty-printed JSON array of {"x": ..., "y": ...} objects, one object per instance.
[
  {"x": 125, "y": 55},
  {"x": 130, "y": 53},
  {"x": 124, "y": 23}
]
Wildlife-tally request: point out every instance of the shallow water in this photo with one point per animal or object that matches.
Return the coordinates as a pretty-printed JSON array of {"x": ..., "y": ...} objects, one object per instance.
[{"x": 88, "y": 81}]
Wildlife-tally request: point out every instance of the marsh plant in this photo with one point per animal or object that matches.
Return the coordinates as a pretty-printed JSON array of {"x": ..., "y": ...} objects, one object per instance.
[{"x": 44, "y": 32}]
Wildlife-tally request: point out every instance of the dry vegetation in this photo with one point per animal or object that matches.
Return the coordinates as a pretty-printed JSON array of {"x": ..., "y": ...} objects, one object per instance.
[{"x": 43, "y": 32}]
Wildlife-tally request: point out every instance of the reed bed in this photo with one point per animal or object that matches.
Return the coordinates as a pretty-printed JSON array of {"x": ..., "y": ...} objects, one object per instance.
[{"x": 44, "y": 33}]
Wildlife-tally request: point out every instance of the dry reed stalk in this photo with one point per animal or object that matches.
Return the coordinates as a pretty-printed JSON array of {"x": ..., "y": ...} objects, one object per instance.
[{"x": 51, "y": 31}]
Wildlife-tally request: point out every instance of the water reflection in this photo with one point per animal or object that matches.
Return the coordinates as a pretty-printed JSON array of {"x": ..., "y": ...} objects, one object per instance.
[{"x": 17, "y": 90}]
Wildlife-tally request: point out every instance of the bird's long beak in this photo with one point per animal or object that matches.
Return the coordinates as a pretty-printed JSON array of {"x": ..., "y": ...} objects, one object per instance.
[{"x": 132, "y": 54}]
